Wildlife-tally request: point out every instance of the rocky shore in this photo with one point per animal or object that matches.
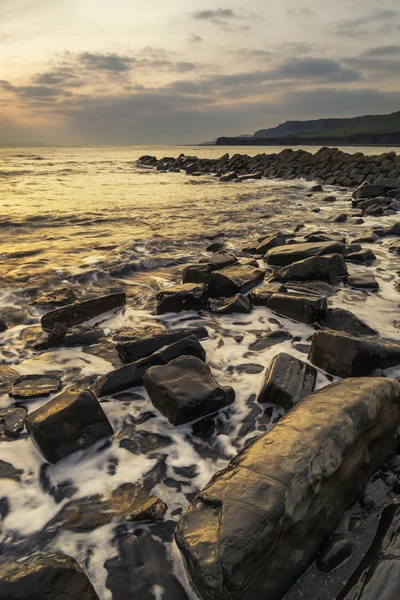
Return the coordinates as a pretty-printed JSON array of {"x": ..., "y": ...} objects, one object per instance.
[{"x": 318, "y": 422}]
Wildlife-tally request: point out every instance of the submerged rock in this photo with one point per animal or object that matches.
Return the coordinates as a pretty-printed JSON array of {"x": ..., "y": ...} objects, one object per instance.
[
  {"x": 317, "y": 267},
  {"x": 259, "y": 523},
  {"x": 138, "y": 441},
  {"x": 345, "y": 355},
  {"x": 378, "y": 574},
  {"x": 237, "y": 279},
  {"x": 340, "y": 319},
  {"x": 286, "y": 381},
  {"x": 8, "y": 471},
  {"x": 306, "y": 309},
  {"x": 185, "y": 390},
  {"x": 337, "y": 550},
  {"x": 45, "y": 577},
  {"x": 286, "y": 255},
  {"x": 27, "y": 387},
  {"x": 188, "y": 296},
  {"x": 79, "y": 312},
  {"x": 73, "y": 420},
  {"x": 60, "y": 297}
]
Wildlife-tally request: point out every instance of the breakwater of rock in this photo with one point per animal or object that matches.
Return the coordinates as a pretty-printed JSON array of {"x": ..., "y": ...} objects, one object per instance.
[{"x": 328, "y": 165}]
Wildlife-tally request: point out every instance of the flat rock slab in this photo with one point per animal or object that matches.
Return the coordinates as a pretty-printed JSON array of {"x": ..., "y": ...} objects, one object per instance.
[
  {"x": 272, "y": 241},
  {"x": 200, "y": 273},
  {"x": 45, "y": 577},
  {"x": 378, "y": 574},
  {"x": 345, "y": 355},
  {"x": 73, "y": 420},
  {"x": 237, "y": 304},
  {"x": 79, "y": 312},
  {"x": 12, "y": 422},
  {"x": 361, "y": 258},
  {"x": 317, "y": 267},
  {"x": 306, "y": 309},
  {"x": 286, "y": 381},
  {"x": 185, "y": 390},
  {"x": 286, "y": 255},
  {"x": 259, "y": 523},
  {"x": 340, "y": 319},
  {"x": 27, "y": 387},
  {"x": 262, "y": 293},
  {"x": 138, "y": 441},
  {"x": 188, "y": 296},
  {"x": 234, "y": 280},
  {"x": 363, "y": 281}
]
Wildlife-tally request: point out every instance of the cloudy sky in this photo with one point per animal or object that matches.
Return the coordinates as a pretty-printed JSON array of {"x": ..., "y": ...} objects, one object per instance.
[{"x": 185, "y": 71}]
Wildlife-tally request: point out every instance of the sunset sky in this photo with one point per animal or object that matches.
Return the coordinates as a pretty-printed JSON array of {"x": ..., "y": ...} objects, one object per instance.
[{"x": 185, "y": 71}]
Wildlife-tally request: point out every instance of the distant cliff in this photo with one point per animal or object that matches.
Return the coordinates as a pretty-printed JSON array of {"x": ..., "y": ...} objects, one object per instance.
[{"x": 360, "y": 139}]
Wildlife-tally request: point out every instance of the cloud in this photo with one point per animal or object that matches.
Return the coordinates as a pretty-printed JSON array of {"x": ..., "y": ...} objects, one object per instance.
[
  {"x": 379, "y": 21},
  {"x": 34, "y": 91},
  {"x": 301, "y": 12},
  {"x": 378, "y": 51},
  {"x": 107, "y": 62},
  {"x": 218, "y": 16},
  {"x": 195, "y": 39}
]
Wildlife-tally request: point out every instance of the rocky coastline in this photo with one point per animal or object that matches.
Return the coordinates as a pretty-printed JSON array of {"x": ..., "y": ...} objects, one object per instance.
[{"x": 295, "y": 497}]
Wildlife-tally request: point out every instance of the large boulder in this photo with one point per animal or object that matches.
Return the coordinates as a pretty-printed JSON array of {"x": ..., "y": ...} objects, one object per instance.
[
  {"x": 378, "y": 574},
  {"x": 188, "y": 296},
  {"x": 317, "y": 267},
  {"x": 45, "y": 577},
  {"x": 306, "y": 309},
  {"x": 132, "y": 375},
  {"x": 286, "y": 381},
  {"x": 368, "y": 190},
  {"x": 259, "y": 523},
  {"x": 73, "y": 420},
  {"x": 286, "y": 255},
  {"x": 237, "y": 279},
  {"x": 185, "y": 390},
  {"x": 340, "y": 319},
  {"x": 79, "y": 312},
  {"x": 345, "y": 355},
  {"x": 200, "y": 273}
]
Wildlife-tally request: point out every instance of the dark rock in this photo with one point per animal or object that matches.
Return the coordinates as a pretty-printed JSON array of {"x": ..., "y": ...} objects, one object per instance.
[
  {"x": 185, "y": 390},
  {"x": 3, "y": 326},
  {"x": 337, "y": 550},
  {"x": 368, "y": 190},
  {"x": 314, "y": 288},
  {"x": 262, "y": 293},
  {"x": 8, "y": 471},
  {"x": 189, "y": 296},
  {"x": 138, "y": 441},
  {"x": 234, "y": 280},
  {"x": 270, "y": 339},
  {"x": 286, "y": 255},
  {"x": 129, "y": 502},
  {"x": 45, "y": 577},
  {"x": 237, "y": 304},
  {"x": 316, "y": 188},
  {"x": 73, "y": 420},
  {"x": 392, "y": 230},
  {"x": 82, "y": 335},
  {"x": 132, "y": 351},
  {"x": 142, "y": 568},
  {"x": 340, "y": 319},
  {"x": 79, "y": 312},
  {"x": 354, "y": 524},
  {"x": 377, "y": 576},
  {"x": 306, "y": 309},
  {"x": 342, "y": 218},
  {"x": 12, "y": 422},
  {"x": 330, "y": 199},
  {"x": 27, "y": 387},
  {"x": 215, "y": 247},
  {"x": 200, "y": 273},
  {"x": 367, "y": 238},
  {"x": 60, "y": 297},
  {"x": 362, "y": 257},
  {"x": 259, "y": 523},
  {"x": 367, "y": 502},
  {"x": 132, "y": 375},
  {"x": 229, "y": 177},
  {"x": 345, "y": 355},
  {"x": 318, "y": 267},
  {"x": 363, "y": 281},
  {"x": 273, "y": 241},
  {"x": 7, "y": 377},
  {"x": 287, "y": 381},
  {"x": 374, "y": 211}
]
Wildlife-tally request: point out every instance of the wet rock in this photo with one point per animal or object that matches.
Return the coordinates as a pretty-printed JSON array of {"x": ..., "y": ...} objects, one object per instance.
[
  {"x": 330, "y": 199},
  {"x": 313, "y": 288},
  {"x": 363, "y": 281},
  {"x": 342, "y": 218},
  {"x": 27, "y": 387},
  {"x": 7, "y": 377},
  {"x": 374, "y": 211},
  {"x": 132, "y": 375},
  {"x": 73, "y": 420},
  {"x": 306, "y": 309},
  {"x": 316, "y": 188},
  {"x": 370, "y": 237},
  {"x": 318, "y": 267},
  {"x": 367, "y": 502},
  {"x": 129, "y": 502},
  {"x": 143, "y": 572},
  {"x": 132, "y": 351},
  {"x": 3, "y": 326},
  {"x": 200, "y": 273},
  {"x": 82, "y": 335},
  {"x": 272, "y": 241},
  {"x": 286, "y": 381},
  {"x": 8, "y": 471},
  {"x": 60, "y": 297},
  {"x": 262, "y": 293},
  {"x": 45, "y": 577},
  {"x": 286, "y": 255},
  {"x": 340, "y": 319},
  {"x": 138, "y": 441},
  {"x": 392, "y": 230},
  {"x": 79, "y": 312},
  {"x": 337, "y": 550},
  {"x": 12, "y": 422},
  {"x": 270, "y": 339},
  {"x": 345, "y": 355},
  {"x": 232, "y": 536},
  {"x": 354, "y": 524},
  {"x": 377, "y": 576},
  {"x": 237, "y": 304},
  {"x": 234, "y": 280},
  {"x": 362, "y": 257},
  {"x": 188, "y": 296},
  {"x": 368, "y": 190},
  {"x": 185, "y": 390},
  {"x": 215, "y": 247}
]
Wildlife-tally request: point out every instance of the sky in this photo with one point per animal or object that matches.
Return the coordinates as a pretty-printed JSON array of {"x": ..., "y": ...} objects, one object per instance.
[{"x": 187, "y": 71}]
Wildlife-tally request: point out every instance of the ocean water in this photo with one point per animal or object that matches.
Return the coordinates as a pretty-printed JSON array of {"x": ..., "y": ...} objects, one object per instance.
[{"x": 92, "y": 220}]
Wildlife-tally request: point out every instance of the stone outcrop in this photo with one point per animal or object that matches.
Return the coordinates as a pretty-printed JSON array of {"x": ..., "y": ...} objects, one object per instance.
[
  {"x": 79, "y": 312},
  {"x": 188, "y": 296},
  {"x": 289, "y": 254},
  {"x": 306, "y": 309},
  {"x": 318, "y": 267},
  {"x": 259, "y": 523},
  {"x": 237, "y": 279}
]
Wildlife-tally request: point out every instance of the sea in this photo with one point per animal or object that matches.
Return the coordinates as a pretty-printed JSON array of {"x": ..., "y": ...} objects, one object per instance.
[{"x": 91, "y": 219}]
